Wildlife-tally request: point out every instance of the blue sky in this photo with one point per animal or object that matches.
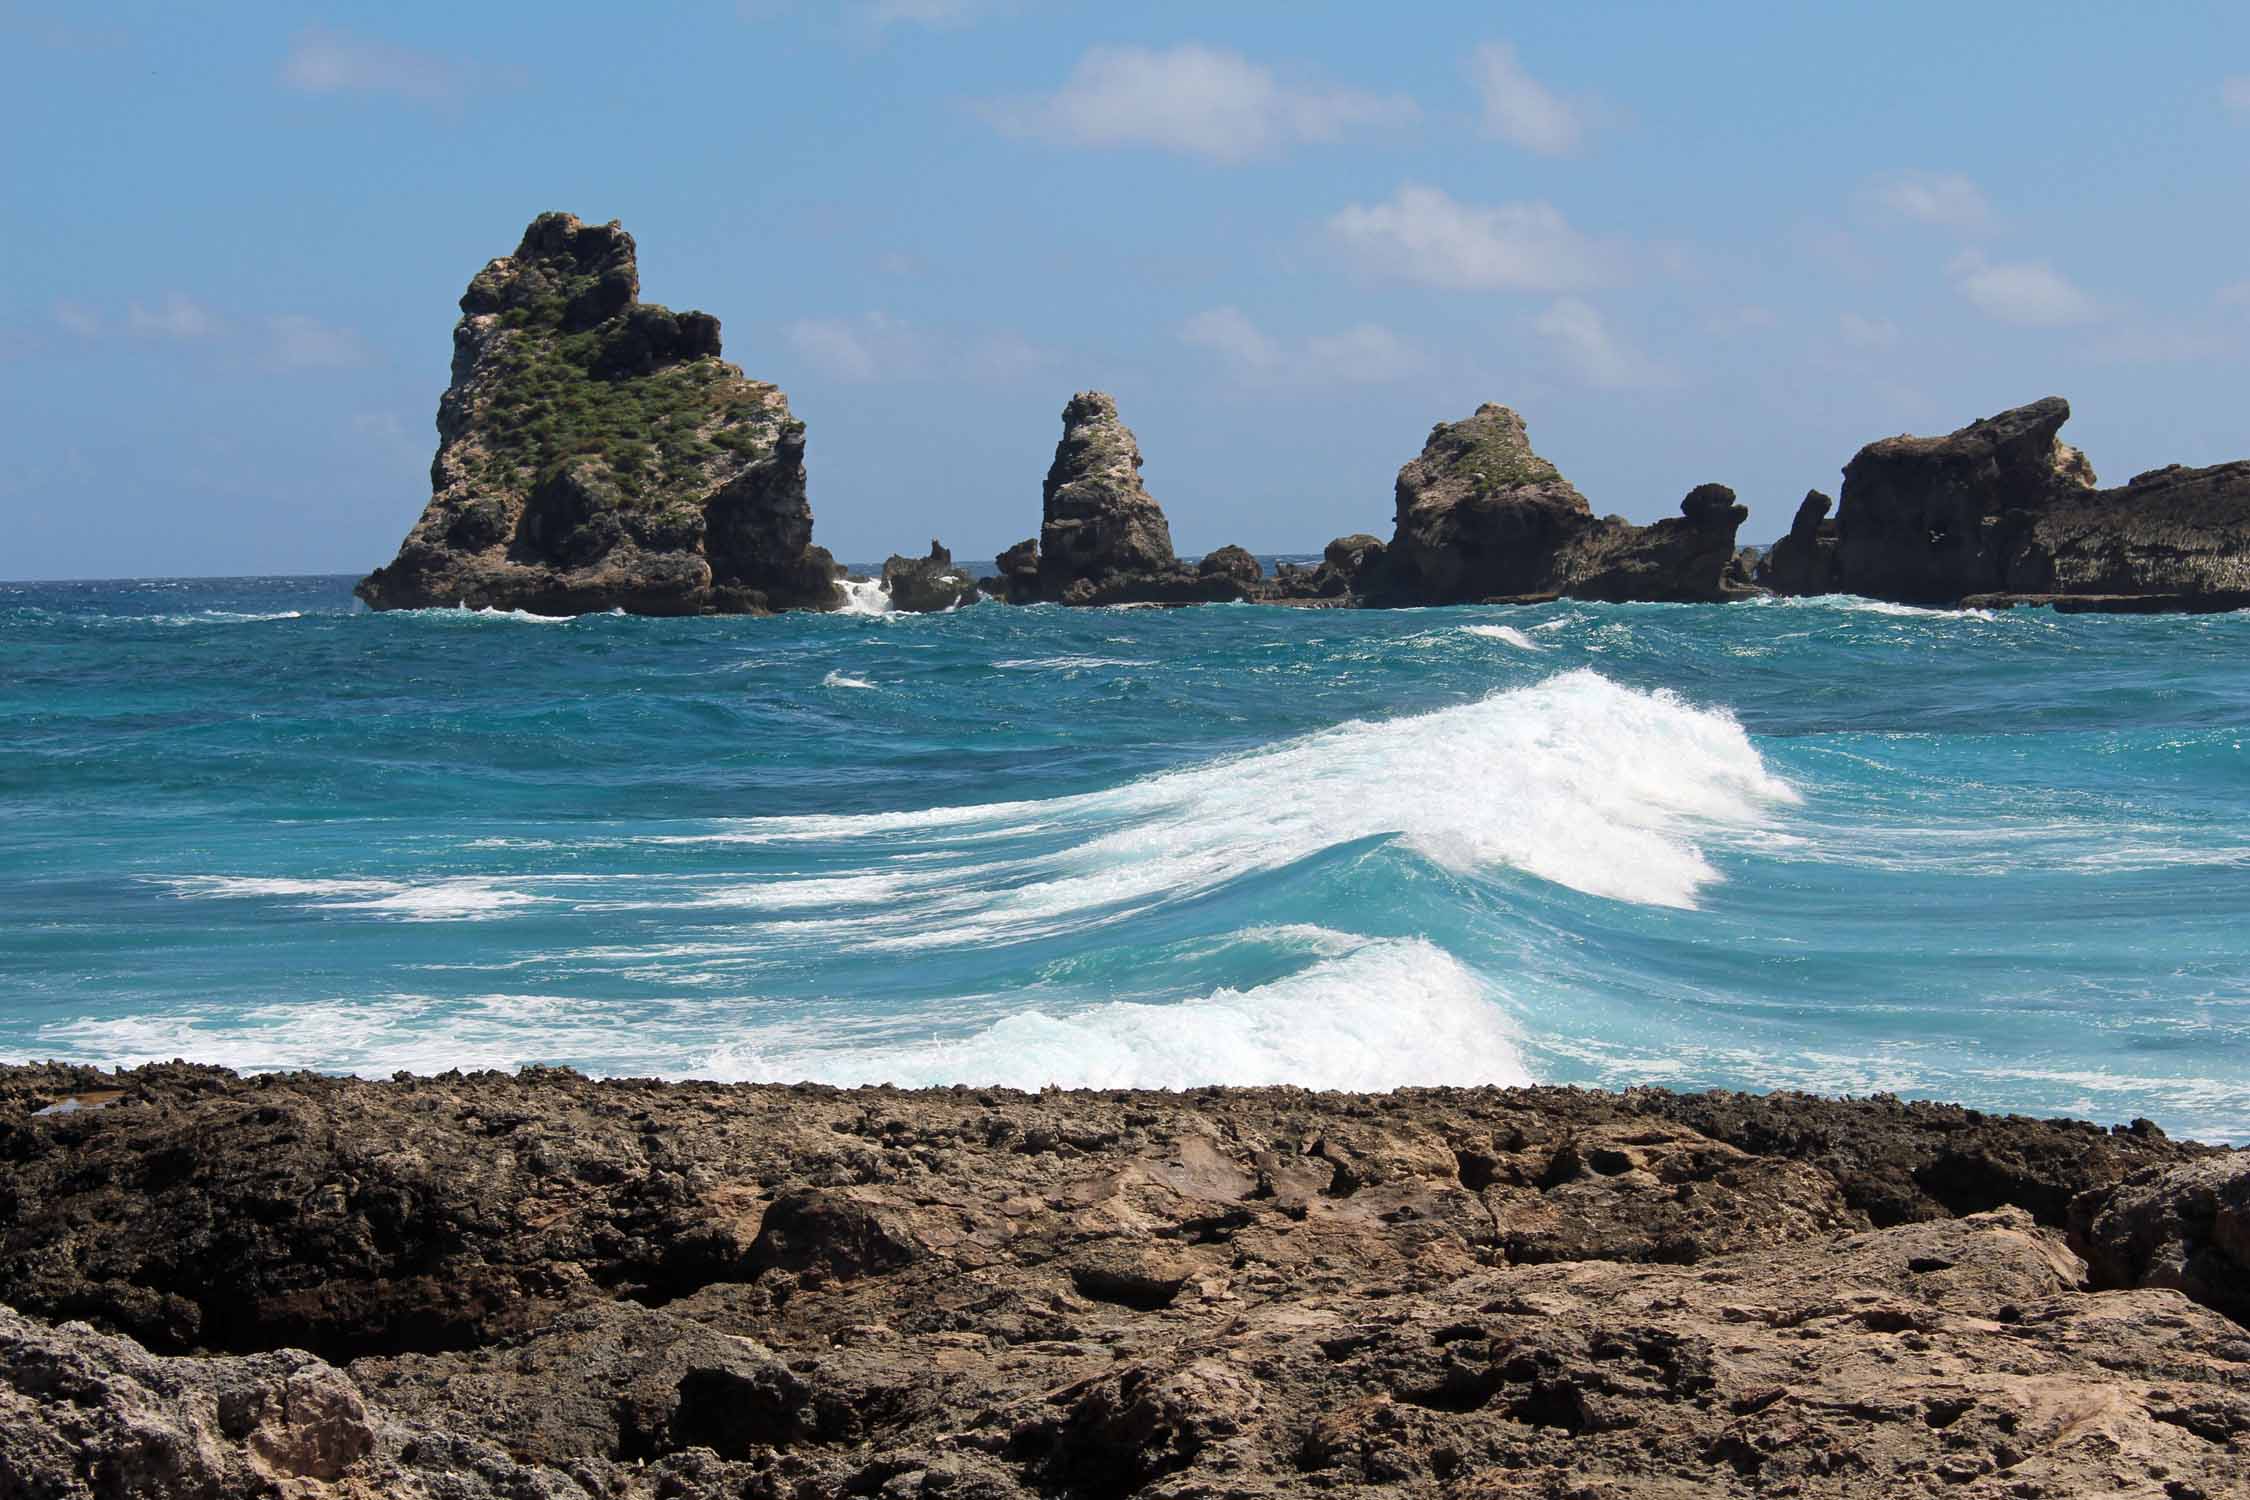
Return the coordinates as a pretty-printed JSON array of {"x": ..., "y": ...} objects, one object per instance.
[{"x": 1689, "y": 243}]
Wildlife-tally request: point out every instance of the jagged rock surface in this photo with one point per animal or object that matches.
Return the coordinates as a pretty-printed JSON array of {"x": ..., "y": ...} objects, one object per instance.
[
  {"x": 1103, "y": 538},
  {"x": 686, "y": 1290},
  {"x": 1688, "y": 559},
  {"x": 1804, "y": 561},
  {"x": 925, "y": 585},
  {"x": 594, "y": 452},
  {"x": 2003, "y": 511},
  {"x": 1480, "y": 515}
]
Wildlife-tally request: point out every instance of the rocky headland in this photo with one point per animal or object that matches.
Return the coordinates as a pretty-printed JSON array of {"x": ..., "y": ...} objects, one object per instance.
[
  {"x": 594, "y": 452},
  {"x": 541, "y": 1285},
  {"x": 2004, "y": 512}
]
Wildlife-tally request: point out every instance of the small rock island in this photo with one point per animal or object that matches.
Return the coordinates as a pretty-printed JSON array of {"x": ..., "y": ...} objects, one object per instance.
[{"x": 594, "y": 452}]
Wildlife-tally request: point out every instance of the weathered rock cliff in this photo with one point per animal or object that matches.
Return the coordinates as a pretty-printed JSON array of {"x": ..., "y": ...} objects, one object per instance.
[
  {"x": 2004, "y": 511},
  {"x": 1103, "y": 538},
  {"x": 544, "y": 1286},
  {"x": 1480, "y": 516},
  {"x": 594, "y": 452}
]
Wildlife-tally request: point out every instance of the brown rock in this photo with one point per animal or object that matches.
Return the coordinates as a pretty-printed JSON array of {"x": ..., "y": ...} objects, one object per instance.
[{"x": 595, "y": 453}]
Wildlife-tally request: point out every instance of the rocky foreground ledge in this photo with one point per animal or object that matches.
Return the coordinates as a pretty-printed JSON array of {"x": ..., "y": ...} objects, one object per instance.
[{"x": 546, "y": 1286}]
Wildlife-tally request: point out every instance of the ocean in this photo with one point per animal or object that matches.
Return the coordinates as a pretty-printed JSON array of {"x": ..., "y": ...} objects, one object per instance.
[{"x": 1830, "y": 844}]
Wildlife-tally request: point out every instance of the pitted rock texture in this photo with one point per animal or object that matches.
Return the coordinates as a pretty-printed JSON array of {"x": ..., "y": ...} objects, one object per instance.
[
  {"x": 690, "y": 1290},
  {"x": 1804, "y": 561},
  {"x": 925, "y": 585},
  {"x": 1481, "y": 516},
  {"x": 595, "y": 453},
  {"x": 2003, "y": 511},
  {"x": 1097, "y": 520}
]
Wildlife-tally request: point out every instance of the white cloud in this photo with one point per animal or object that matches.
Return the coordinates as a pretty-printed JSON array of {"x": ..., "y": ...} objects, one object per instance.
[
  {"x": 2233, "y": 294},
  {"x": 339, "y": 62},
  {"x": 298, "y": 342},
  {"x": 178, "y": 318},
  {"x": 2029, "y": 292},
  {"x": 1364, "y": 354},
  {"x": 378, "y": 424},
  {"x": 876, "y": 347},
  {"x": 2234, "y": 93},
  {"x": 1521, "y": 110},
  {"x": 1422, "y": 235},
  {"x": 998, "y": 358},
  {"x": 1228, "y": 331},
  {"x": 1731, "y": 322},
  {"x": 1868, "y": 333},
  {"x": 79, "y": 319},
  {"x": 841, "y": 351},
  {"x": 1192, "y": 99},
  {"x": 880, "y": 13},
  {"x": 1591, "y": 352},
  {"x": 1945, "y": 198}
]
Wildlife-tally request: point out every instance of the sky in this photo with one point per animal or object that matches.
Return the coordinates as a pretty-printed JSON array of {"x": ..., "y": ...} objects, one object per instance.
[{"x": 1726, "y": 242}]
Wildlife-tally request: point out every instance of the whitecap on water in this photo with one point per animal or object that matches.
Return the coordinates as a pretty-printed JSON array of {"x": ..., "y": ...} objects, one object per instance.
[
  {"x": 863, "y": 596},
  {"x": 839, "y": 680},
  {"x": 472, "y": 898},
  {"x": 1506, "y": 634},
  {"x": 1383, "y": 1015},
  {"x": 1597, "y": 787}
]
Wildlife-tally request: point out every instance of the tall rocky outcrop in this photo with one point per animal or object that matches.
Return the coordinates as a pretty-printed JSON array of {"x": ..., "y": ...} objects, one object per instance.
[
  {"x": 594, "y": 452},
  {"x": 1103, "y": 538},
  {"x": 1480, "y": 515},
  {"x": 1804, "y": 561},
  {"x": 2004, "y": 511}
]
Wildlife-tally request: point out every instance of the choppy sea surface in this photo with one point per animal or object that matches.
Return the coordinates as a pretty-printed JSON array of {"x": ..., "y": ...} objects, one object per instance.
[{"x": 1835, "y": 845}]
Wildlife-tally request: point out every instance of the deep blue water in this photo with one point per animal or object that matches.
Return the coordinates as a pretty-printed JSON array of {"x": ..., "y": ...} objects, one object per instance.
[{"x": 1833, "y": 845}]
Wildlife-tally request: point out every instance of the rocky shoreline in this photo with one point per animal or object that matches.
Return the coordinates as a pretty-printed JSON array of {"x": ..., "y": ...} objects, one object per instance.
[
  {"x": 595, "y": 453},
  {"x": 545, "y": 1285}
]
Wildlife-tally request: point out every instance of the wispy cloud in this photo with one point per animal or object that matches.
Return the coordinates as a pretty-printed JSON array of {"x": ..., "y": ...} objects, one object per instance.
[
  {"x": 298, "y": 342},
  {"x": 2233, "y": 294},
  {"x": 1591, "y": 351},
  {"x": 1364, "y": 354},
  {"x": 1945, "y": 198},
  {"x": 1866, "y": 332},
  {"x": 2031, "y": 293},
  {"x": 2234, "y": 93},
  {"x": 1423, "y": 235},
  {"x": 1196, "y": 100},
  {"x": 341, "y": 62},
  {"x": 839, "y": 350},
  {"x": 877, "y": 348},
  {"x": 1733, "y": 322},
  {"x": 1524, "y": 112},
  {"x": 180, "y": 317},
  {"x": 78, "y": 318}
]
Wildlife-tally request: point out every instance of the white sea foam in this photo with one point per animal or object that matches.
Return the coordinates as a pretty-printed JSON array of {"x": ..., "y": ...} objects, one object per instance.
[
  {"x": 839, "y": 680},
  {"x": 1576, "y": 780},
  {"x": 863, "y": 596},
  {"x": 470, "y": 898},
  {"x": 1383, "y": 1015},
  {"x": 1069, "y": 663},
  {"x": 1504, "y": 633}
]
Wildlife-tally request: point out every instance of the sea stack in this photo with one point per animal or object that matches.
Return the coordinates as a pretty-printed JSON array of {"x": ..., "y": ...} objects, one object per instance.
[
  {"x": 594, "y": 452},
  {"x": 1481, "y": 516},
  {"x": 1103, "y": 538},
  {"x": 2004, "y": 512}
]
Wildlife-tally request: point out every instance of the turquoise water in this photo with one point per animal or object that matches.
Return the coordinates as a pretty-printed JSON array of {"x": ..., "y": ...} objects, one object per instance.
[{"x": 1828, "y": 844}]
